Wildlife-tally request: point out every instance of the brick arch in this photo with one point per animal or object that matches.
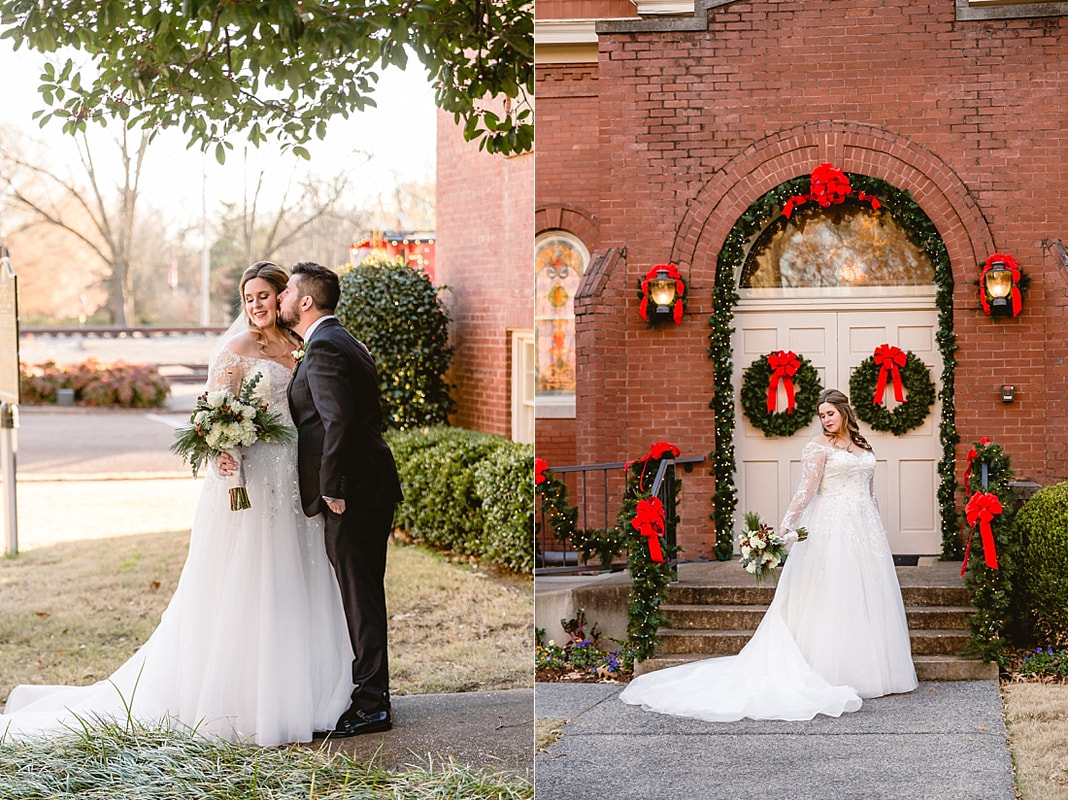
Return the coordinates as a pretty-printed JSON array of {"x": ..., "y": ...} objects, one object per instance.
[
  {"x": 573, "y": 219},
  {"x": 852, "y": 147}
]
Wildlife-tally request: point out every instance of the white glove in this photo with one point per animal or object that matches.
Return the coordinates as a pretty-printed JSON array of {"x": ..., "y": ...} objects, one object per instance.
[{"x": 789, "y": 540}]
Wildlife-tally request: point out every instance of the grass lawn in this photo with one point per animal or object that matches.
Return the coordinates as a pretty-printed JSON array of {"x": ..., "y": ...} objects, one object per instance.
[
  {"x": 1036, "y": 715},
  {"x": 72, "y": 613}
]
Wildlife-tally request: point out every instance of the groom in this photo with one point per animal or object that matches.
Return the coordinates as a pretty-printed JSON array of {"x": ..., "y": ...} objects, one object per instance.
[{"x": 347, "y": 472}]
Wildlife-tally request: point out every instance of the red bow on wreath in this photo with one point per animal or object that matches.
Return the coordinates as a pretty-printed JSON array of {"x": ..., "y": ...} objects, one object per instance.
[
  {"x": 982, "y": 509},
  {"x": 890, "y": 360},
  {"x": 983, "y": 440},
  {"x": 784, "y": 364},
  {"x": 680, "y": 289},
  {"x": 540, "y": 465},
  {"x": 649, "y": 522},
  {"x": 1013, "y": 266},
  {"x": 657, "y": 451},
  {"x": 827, "y": 185}
]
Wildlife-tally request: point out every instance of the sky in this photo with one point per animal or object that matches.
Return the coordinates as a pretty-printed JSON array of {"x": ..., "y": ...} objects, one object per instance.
[{"x": 399, "y": 134}]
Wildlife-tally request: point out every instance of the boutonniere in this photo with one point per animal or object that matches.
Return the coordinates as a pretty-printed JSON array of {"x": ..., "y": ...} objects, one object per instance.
[{"x": 298, "y": 356}]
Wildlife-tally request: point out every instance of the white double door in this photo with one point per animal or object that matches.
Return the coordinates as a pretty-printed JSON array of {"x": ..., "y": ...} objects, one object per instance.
[{"x": 906, "y": 475}]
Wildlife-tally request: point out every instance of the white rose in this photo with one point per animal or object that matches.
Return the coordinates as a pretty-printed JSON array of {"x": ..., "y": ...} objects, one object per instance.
[
  {"x": 215, "y": 399},
  {"x": 751, "y": 567},
  {"x": 746, "y": 550}
]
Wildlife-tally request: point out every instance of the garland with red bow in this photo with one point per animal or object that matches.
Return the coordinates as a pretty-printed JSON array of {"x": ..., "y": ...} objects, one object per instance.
[
  {"x": 906, "y": 375},
  {"x": 827, "y": 186},
  {"x": 645, "y": 519},
  {"x": 972, "y": 453},
  {"x": 760, "y": 389},
  {"x": 680, "y": 290},
  {"x": 1019, "y": 282}
]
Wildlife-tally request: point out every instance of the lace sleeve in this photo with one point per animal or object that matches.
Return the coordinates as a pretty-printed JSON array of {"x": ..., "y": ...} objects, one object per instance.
[
  {"x": 224, "y": 372},
  {"x": 813, "y": 458},
  {"x": 871, "y": 491}
]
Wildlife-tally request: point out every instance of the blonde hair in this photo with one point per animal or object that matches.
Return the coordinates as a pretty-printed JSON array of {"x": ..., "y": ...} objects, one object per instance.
[
  {"x": 838, "y": 399},
  {"x": 277, "y": 277}
]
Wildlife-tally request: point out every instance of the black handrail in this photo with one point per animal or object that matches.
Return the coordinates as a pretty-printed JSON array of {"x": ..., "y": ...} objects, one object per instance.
[{"x": 570, "y": 561}]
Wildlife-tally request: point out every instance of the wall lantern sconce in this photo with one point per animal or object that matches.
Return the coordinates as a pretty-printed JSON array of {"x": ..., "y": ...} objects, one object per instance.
[
  {"x": 661, "y": 293},
  {"x": 999, "y": 286}
]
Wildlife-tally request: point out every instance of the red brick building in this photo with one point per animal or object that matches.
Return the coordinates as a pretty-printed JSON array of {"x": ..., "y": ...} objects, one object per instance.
[
  {"x": 483, "y": 209},
  {"x": 664, "y": 125}
]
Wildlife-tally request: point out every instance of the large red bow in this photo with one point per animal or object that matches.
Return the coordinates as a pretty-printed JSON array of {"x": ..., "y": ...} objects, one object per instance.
[
  {"x": 982, "y": 509},
  {"x": 784, "y": 364},
  {"x": 890, "y": 360},
  {"x": 658, "y": 450},
  {"x": 649, "y": 522},
  {"x": 540, "y": 465},
  {"x": 1013, "y": 267},
  {"x": 983, "y": 440},
  {"x": 827, "y": 185}
]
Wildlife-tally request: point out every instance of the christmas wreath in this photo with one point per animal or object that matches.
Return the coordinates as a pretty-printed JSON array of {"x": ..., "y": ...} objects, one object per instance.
[
  {"x": 902, "y": 372},
  {"x": 760, "y": 385}
]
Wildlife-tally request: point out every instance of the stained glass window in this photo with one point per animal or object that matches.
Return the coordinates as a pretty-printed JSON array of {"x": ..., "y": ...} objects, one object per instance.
[
  {"x": 559, "y": 261},
  {"x": 843, "y": 245}
]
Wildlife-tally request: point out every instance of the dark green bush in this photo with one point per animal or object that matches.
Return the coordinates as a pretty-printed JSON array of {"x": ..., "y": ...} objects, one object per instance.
[
  {"x": 395, "y": 310},
  {"x": 504, "y": 482},
  {"x": 1040, "y": 597},
  {"x": 467, "y": 492},
  {"x": 95, "y": 383}
]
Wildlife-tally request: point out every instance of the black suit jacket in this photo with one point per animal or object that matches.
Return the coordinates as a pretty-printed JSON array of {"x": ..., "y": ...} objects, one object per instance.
[{"x": 335, "y": 404}]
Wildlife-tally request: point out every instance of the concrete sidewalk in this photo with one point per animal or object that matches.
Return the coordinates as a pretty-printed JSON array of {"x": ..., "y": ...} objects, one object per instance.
[{"x": 944, "y": 741}]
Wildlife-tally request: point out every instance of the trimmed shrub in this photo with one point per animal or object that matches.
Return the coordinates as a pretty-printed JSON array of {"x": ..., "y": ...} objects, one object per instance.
[
  {"x": 467, "y": 492},
  {"x": 95, "y": 383},
  {"x": 503, "y": 482},
  {"x": 395, "y": 310},
  {"x": 1040, "y": 596}
]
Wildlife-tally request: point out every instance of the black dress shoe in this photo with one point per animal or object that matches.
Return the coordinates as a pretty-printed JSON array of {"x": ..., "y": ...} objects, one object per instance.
[{"x": 355, "y": 722}]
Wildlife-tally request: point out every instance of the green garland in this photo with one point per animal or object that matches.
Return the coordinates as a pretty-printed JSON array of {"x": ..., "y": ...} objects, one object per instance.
[
  {"x": 923, "y": 233},
  {"x": 561, "y": 518},
  {"x": 807, "y": 389},
  {"x": 919, "y": 390},
  {"x": 649, "y": 580},
  {"x": 991, "y": 589}
]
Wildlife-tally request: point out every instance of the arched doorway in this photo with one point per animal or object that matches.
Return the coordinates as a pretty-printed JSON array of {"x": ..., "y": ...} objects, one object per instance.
[{"x": 832, "y": 284}]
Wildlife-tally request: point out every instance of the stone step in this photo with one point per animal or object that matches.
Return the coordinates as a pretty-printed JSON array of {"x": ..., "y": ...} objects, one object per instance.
[
  {"x": 700, "y": 594},
  {"x": 675, "y": 641},
  {"x": 928, "y": 667},
  {"x": 747, "y": 617}
]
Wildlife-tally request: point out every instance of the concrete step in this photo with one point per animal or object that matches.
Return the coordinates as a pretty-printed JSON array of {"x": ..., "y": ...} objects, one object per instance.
[
  {"x": 700, "y": 594},
  {"x": 928, "y": 667},
  {"x": 675, "y": 641},
  {"x": 723, "y": 617}
]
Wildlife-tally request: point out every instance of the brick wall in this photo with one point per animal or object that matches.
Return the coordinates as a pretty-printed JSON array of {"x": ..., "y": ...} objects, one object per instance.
[
  {"x": 483, "y": 253},
  {"x": 695, "y": 125}
]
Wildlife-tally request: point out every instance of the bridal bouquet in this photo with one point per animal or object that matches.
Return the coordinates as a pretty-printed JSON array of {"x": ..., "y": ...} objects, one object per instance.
[
  {"x": 762, "y": 549},
  {"x": 221, "y": 422}
]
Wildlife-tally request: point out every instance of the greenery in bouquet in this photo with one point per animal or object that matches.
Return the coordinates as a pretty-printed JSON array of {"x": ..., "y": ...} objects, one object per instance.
[
  {"x": 762, "y": 549},
  {"x": 222, "y": 421}
]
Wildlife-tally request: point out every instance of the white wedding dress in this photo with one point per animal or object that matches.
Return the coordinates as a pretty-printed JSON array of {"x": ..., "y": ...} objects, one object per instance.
[
  {"x": 835, "y": 631},
  {"x": 253, "y": 646}
]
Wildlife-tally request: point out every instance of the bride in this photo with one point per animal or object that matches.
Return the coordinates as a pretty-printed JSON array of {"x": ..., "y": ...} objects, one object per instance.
[
  {"x": 835, "y": 631},
  {"x": 253, "y": 646}
]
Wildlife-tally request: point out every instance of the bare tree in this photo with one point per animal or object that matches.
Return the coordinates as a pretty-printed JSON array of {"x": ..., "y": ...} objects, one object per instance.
[{"x": 103, "y": 221}]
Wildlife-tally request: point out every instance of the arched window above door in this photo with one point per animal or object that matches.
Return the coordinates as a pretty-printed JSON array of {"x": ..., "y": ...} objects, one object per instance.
[{"x": 846, "y": 245}]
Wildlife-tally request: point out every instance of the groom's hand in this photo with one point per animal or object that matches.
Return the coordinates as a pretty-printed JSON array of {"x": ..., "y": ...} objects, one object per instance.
[{"x": 337, "y": 505}]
